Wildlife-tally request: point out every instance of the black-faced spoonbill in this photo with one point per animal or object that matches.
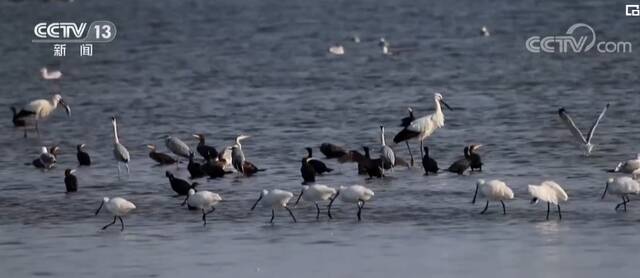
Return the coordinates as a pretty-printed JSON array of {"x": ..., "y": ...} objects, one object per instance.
[
  {"x": 621, "y": 186},
  {"x": 118, "y": 207},
  {"x": 357, "y": 194},
  {"x": 275, "y": 199},
  {"x": 428, "y": 163},
  {"x": 550, "y": 192},
  {"x": 316, "y": 193},
  {"x": 70, "y": 180},
  {"x": 41, "y": 109},
  {"x": 493, "y": 190},
  {"x": 120, "y": 153},
  {"x": 577, "y": 134},
  {"x": 83, "y": 157},
  {"x": 203, "y": 200}
]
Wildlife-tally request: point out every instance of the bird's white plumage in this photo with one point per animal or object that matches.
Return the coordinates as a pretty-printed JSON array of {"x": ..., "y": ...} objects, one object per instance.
[
  {"x": 548, "y": 191},
  {"x": 355, "y": 193},
  {"x": 120, "y": 152},
  {"x": 495, "y": 190},
  {"x": 336, "y": 50},
  {"x": 50, "y": 75},
  {"x": 42, "y": 108},
  {"x": 203, "y": 199},
  {"x": 577, "y": 134},
  {"x": 317, "y": 192},
  {"x": 276, "y": 198},
  {"x": 622, "y": 186},
  {"x": 118, "y": 206},
  {"x": 177, "y": 146},
  {"x": 628, "y": 166},
  {"x": 430, "y": 123},
  {"x": 386, "y": 153}
]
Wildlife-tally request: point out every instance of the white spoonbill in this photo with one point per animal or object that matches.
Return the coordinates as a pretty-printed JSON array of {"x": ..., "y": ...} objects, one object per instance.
[
  {"x": 41, "y": 109},
  {"x": 493, "y": 190},
  {"x": 629, "y": 166},
  {"x": 50, "y": 75},
  {"x": 387, "y": 156},
  {"x": 423, "y": 127},
  {"x": 203, "y": 200},
  {"x": 118, "y": 207},
  {"x": 585, "y": 142},
  {"x": 275, "y": 199},
  {"x": 550, "y": 192},
  {"x": 119, "y": 151},
  {"x": 357, "y": 194},
  {"x": 621, "y": 186},
  {"x": 316, "y": 193}
]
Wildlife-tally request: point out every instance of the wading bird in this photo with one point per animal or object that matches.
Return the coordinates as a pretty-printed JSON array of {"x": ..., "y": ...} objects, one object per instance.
[
  {"x": 319, "y": 166},
  {"x": 461, "y": 165},
  {"x": 336, "y": 50},
  {"x": 70, "y": 180},
  {"x": 550, "y": 192},
  {"x": 275, "y": 199},
  {"x": 160, "y": 158},
  {"x": 623, "y": 187},
  {"x": 428, "y": 163},
  {"x": 118, "y": 207},
  {"x": 357, "y": 194},
  {"x": 475, "y": 162},
  {"x": 206, "y": 151},
  {"x": 316, "y": 193},
  {"x": 577, "y": 134},
  {"x": 332, "y": 151},
  {"x": 203, "y": 200},
  {"x": 194, "y": 168},
  {"x": 180, "y": 186},
  {"x": 423, "y": 127},
  {"x": 83, "y": 157},
  {"x": 306, "y": 170},
  {"x": 629, "y": 166},
  {"x": 494, "y": 190},
  {"x": 237, "y": 155},
  {"x": 373, "y": 167},
  {"x": 17, "y": 122},
  {"x": 405, "y": 122},
  {"x": 177, "y": 146},
  {"x": 50, "y": 75},
  {"x": 387, "y": 156},
  {"x": 40, "y": 109},
  {"x": 119, "y": 151}
]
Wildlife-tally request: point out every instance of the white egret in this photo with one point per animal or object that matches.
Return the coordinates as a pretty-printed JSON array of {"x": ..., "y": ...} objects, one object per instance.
[
  {"x": 550, "y": 192},
  {"x": 275, "y": 199},
  {"x": 357, "y": 194},
  {"x": 623, "y": 187},
  {"x": 316, "y": 193},
  {"x": 577, "y": 134},
  {"x": 493, "y": 190},
  {"x": 119, "y": 151},
  {"x": 203, "y": 200},
  {"x": 118, "y": 207}
]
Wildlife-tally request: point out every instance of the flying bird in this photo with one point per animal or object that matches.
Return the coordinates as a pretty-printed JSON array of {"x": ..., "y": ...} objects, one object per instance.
[{"x": 577, "y": 134}]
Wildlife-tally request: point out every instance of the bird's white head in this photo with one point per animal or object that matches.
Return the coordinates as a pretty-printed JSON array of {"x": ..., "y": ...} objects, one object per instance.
[
  {"x": 191, "y": 192},
  {"x": 264, "y": 192},
  {"x": 151, "y": 147},
  {"x": 305, "y": 187},
  {"x": 610, "y": 180},
  {"x": 105, "y": 200},
  {"x": 438, "y": 96},
  {"x": 44, "y": 150},
  {"x": 480, "y": 182},
  {"x": 342, "y": 187},
  {"x": 240, "y": 138},
  {"x": 410, "y": 109}
]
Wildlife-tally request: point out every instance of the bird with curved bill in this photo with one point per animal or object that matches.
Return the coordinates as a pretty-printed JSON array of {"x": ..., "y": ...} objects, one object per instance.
[{"x": 37, "y": 110}]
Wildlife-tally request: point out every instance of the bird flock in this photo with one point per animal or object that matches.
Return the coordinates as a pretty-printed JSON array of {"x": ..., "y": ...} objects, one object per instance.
[{"x": 215, "y": 164}]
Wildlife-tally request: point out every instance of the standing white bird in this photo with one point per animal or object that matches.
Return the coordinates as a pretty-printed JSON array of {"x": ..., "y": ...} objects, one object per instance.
[
  {"x": 357, "y": 194},
  {"x": 577, "y": 134},
  {"x": 629, "y": 166},
  {"x": 50, "y": 75},
  {"x": 621, "y": 186},
  {"x": 202, "y": 200},
  {"x": 237, "y": 155},
  {"x": 550, "y": 192},
  {"x": 387, "y": 156},
  {"x": 275, "y": 199},
  {"x": 41, "y": 109},
  {"x": 118, "y": 207},
  {"x": 423, "y": 127},
  {"x": 177, "y": 146},
  {"x": 119, "y": 151},
  {"x": 494, "y": 190},
  {"x": 316, "y": 193}
]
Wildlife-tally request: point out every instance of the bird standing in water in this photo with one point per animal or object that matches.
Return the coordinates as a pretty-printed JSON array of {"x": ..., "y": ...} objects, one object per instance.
[
  {"x": 83, "y": 157},
  {"x": 461, "y": 165},
  {"x": 475, "y": 163},
  {"x": 70, "y": 180},
  {"x": 429, "y": 164}
]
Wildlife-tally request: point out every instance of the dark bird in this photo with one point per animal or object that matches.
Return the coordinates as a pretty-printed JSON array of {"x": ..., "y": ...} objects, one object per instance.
[
  {"x": 195, "y": 169},
  {"x": 476, "y": 162},
  {"x": 249, "y": 169},
  {"x": 215, "y": 168},
  {"x": 83, "y": 157},
  {"x": 404, "y": 134},
  {"x": 47, "y": 158},
  {"x": 355, "y": 156},
  {"x": 178, "y": 185},
  {"x": 17, "y": 121},
  {"x": 429, "y": 164},
  {"x": 318, "y": 165},
  {"x": 161, "y": 158},
  {"x": 307, "y": 170},
  {"x": 206, "y": 151},
  {"x": 332, "y": 151},
  {"x": 70, "y": 180},
  {"x": 462, "y": 164},
  {"x": 372, "y": 166}
]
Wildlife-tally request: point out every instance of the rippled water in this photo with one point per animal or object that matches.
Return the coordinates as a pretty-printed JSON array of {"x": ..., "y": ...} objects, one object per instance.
[{"x": 261, "y": 68}]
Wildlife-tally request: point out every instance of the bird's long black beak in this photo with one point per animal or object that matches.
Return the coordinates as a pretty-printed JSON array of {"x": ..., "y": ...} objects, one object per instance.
[
  {"x": 67, "y": 108},
  {"x": 99, "y": 208},
  {"x": 331, "y": 203},
  {"x": 256, "y": 203},
  {"x": 605, "y": 191},
  {"x": 474, "y": 195},
  {"x": 299, "y": 196},
  {"x": 446, "y": 105},
  {"x": 534, "y": 200}
]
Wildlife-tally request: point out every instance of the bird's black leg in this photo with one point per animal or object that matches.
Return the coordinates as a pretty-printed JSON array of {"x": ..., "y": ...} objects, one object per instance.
[
  {"x": 624, "y": 203},
  {"x": 559, "y": 212},
  {"x": 504, "y": 210},
  {"x": 204, "y": 218},
  {"x": 360, "y": 209},
  {"x": 485, "y": 208},
  {"x": 37, "y": 130},
  {"x": 25, "y": 131},
  {"x": 114, "y": 221},
  {"x": 421, "y": 152},
  {"x": 121, "y": 223},
  {"x": 291, "y": 213},
  {"x": 410, "y": 154},
  {"x": 548, "y": 209},
  {"x": 273, "y": 215},
  {"x": 318, "y": 211}
]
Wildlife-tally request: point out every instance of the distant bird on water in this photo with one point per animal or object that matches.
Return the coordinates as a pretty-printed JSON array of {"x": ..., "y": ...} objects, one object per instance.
[
  {"x": 461, "y": 165},
  {"x": 83, "y": 157},
  {"x": 484, "y": 31},
  {"x": 118, "y": 207},
  {"x": 46, "y": 74},
  {"x": 356, "y": 194},
  {"x": 275, "y": 199},
  {"x": 177, "y": 147},
  {"x": 623, "y": 187},
  {"x": 203, "y": 200},
  {"x": 493, "y": 190},
  {"x": 577, "y": 134},
  {"x": 429, "y": 164},
  {"x": 332, "y": 151},
  {"x": 160, "y": 158},
  {"x": 336, "y": 50},
  {"x": 550, "y": 192},
  {"x": 423, "y": 127},
  {"x": 206, "y": 151},
  {"x": 120, "y": 152},
  {"x": 70, "y": 180},
  {"x": 40, "y": 109}
]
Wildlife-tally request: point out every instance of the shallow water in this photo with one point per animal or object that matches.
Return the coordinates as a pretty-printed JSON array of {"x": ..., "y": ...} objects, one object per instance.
[{"x": 261, "y": 68}]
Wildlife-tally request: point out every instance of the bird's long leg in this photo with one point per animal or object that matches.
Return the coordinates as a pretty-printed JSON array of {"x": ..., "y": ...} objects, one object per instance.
[
  {"x": 624, "y": 203},
  {"x": 37, "y": 130},
  {"x": 410, "y": 154},
  {"x": 204, "y": 218},
  {"x": 360, "y": 209},
  {"x": 126, "y": 165},
  {"x": 114, "y": 222},
  {"x": 25, "y": 131},
  {"x": 273, "y": 215},
  {"x": 121, "y": 223},
  {"x": 485, "y": 208},
  {"x": 548, "y": 209},
  {"x": 504, "y": 210},
  {"x": 421, "y": 152},
  {"x": 318, "y": 211},
  {"x": 291, "y": 213},
  {"x": 559, "y": 212}
]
